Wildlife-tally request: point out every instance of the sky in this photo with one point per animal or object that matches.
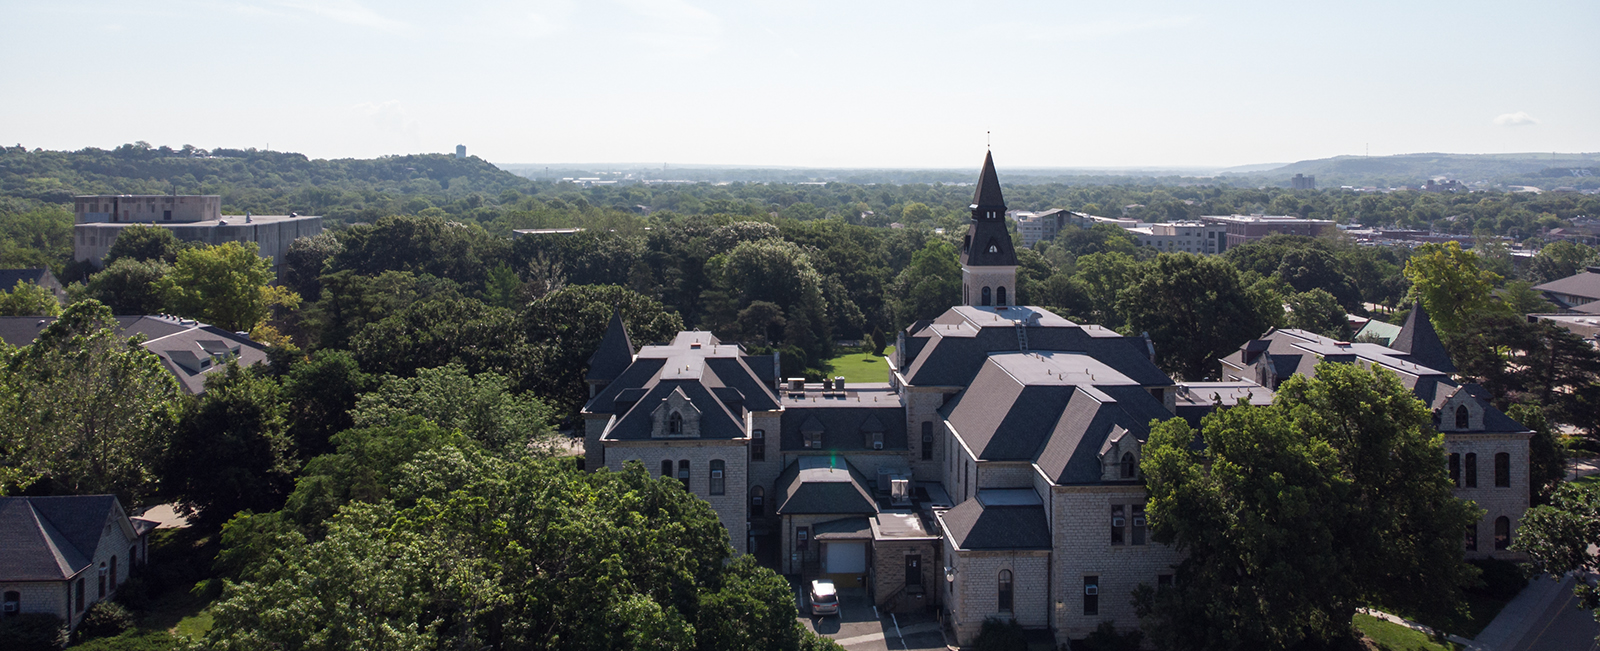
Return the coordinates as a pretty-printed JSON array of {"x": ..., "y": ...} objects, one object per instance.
[{"x": 862, "y": 83}]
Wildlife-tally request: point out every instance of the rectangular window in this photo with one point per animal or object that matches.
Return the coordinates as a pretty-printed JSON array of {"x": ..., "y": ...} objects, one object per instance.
[
  {"x": 758, "y": 445},
  {"x": 683, "y": 473},
  {"x": 1138, "y": 524},
  {"x": 1472, "y": 537},
  {"x": 877, "y": 441},
  {"x": 716, "y": 487},
  {"x": 1163, "y": 581},
  {"x": 666, "y": 468},
  {"x": 81, "y": 604},
  {"x": 1455, "y": 469},
  {"x": 1502, "y": 470},
  {"x": 927, "y": 441},
  {"x": 1472, "y": 470},
  {"x": 801, "y": 536},
  {"x": 1091, "y": 595},
  {"x": 1119, "y": 524}
]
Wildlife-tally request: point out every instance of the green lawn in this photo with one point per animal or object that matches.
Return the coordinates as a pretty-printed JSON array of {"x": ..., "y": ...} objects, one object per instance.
[
  {"x": 861, "y": 366},
  {"x": 1394, "y": 637},
  {"x": 1587, "y": 481}
]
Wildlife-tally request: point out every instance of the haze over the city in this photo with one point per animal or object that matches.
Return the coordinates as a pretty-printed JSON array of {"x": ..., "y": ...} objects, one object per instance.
[{"x": 826, "y": 84}]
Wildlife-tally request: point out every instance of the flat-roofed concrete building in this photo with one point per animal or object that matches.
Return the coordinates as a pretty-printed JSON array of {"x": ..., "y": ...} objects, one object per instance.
[
  {"x": 1189, "y": 237},
  {"x": 191, "y": 218},
  {"x": 1249, "y": 228}
]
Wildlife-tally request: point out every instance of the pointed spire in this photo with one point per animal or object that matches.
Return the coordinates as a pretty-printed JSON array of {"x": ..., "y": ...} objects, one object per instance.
[
  {"x": 987, "y": 201},
  {"x": 614, "y": 354},
  {"x": 1418, "y": 339}
]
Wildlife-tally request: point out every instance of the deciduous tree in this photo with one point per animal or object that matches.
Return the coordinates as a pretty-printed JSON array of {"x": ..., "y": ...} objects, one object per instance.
[{"x": 224, "y": 285}]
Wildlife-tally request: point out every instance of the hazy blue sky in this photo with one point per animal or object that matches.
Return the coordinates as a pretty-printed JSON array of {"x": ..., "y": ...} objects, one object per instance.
[{"x": 841, "y": 84}]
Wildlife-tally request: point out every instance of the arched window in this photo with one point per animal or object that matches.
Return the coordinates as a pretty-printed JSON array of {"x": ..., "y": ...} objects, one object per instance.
[
  {"x": 717, "y": 484},
  {"x": 675, "y": 424},
  {"x": 1462, "y": 417},
  {"x": 683, "y": 473},
  {"x": 1000, "y": 296},
  {"x": 985, "y": 294},
  {"x": 1455, "y": 469},
  {"x": 1471, "y": 469},
  {"x": 102, "y": 581},
  {"x": 666, "y": 468},
  {"x": 1502, "y": 470},
  {"x": 1005, "y": 591},
  {"x": 1128, "y": 465},
  {"x": 1502, "y": 533},
  {"x": 927, "y": 440},
  {"x": 758, "y": 498},
  {"x": 1472, "y": 537},
  {"x": 113, "y": 573}
]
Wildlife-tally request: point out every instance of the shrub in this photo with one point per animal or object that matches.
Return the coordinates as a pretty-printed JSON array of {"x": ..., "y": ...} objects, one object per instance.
[
  {"x": 134, "y": 593},
  {"x": 1000, "y": 636},
  {"x": 136, "y": 640},
  {"x": 1106, "y": 638},
  {"x": 33, "y": 632},
  {"x": 104, "y": 619},
  {"x": 1502, "y": 580}
]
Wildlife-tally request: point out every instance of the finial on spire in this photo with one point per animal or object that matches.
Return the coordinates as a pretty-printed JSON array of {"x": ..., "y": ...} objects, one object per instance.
[{"x": 988, "y": 140}]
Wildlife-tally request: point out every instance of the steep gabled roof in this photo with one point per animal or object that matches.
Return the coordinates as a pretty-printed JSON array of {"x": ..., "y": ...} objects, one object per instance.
[
  {"x": 977, "y": 524},
  {"x": 51, "y": 538},
  {"x": 614, "y": 354},
  {"x": 1418, "y": 339},
  {"x": 987, "y": 195},
  {"x": 823, "y": 484}
]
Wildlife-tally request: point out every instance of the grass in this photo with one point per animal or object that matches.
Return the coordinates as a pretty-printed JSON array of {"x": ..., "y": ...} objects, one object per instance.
[
  {"x": 860, "y": 366},
  {"x": 1394, "y": 637},
  {"x": 1587, "y": 481}
]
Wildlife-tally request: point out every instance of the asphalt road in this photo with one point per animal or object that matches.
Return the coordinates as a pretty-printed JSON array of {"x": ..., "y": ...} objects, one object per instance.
[{"x": 1563, "y": 626}]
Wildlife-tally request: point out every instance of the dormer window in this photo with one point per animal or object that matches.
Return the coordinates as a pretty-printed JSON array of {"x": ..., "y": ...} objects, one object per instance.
[
  {"x": 675, "y": 424},
  {"x": 1129, "y": 467},
  {"x": 1463, "y": 418}
]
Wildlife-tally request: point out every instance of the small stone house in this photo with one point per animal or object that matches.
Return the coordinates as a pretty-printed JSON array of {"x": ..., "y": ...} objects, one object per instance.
[{"x": 58, "y": 555}]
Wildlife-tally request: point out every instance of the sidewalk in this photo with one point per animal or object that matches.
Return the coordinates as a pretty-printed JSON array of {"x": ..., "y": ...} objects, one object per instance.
[
  {"x": 1513, "y": 622},
  {"x": 1467, "y": 644}
]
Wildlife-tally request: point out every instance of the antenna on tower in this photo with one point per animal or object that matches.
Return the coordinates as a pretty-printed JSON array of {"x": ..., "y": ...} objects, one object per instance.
[{"x": 988, "y": 140}]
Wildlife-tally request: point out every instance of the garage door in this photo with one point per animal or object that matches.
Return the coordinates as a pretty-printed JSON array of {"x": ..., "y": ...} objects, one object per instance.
[{"x": 846, "y": 558}]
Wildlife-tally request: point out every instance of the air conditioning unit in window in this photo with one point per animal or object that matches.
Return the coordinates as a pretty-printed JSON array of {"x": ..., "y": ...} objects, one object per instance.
[
  {"x": 816, "y": 444},
  {"x": 1091, "y": 590},
  {"x": 877, "y": 445},
  {"x": 716, "y": 474},
  {"x": 11, "y": 607},
  {"x": 1138, "y": 522},
  {"x": 1117, "y": 522}
]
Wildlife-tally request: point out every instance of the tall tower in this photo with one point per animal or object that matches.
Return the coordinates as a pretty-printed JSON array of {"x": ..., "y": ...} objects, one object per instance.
[{"x": 988, "y": 262}]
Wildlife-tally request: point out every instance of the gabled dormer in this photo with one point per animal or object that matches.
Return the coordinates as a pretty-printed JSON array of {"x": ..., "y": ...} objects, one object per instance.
[
  {"x": 676, "y": 417},
  {"x": 1460, "y": 412},
  {"x": 1119, "y": 456}
]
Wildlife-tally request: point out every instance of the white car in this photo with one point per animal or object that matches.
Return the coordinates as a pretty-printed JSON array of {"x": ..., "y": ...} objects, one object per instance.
[{"x": 822, "y": 598}]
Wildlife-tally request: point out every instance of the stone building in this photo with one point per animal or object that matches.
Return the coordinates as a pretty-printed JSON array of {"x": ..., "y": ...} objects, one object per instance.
[
  {"x": 1488, "y": 451},
  {"x": 99, "y": 219},
  {"x": 996, "y": 474},
  {"x": 61, "y": 554}
]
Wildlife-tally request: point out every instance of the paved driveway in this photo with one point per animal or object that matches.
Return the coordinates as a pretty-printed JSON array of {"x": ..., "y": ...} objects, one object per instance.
[{"x": 859, "y": 628}]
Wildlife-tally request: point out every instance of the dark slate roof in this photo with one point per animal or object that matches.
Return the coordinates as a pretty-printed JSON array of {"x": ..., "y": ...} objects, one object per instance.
[
  {"x": 821, "y": 485},
  {"x": 973, "y": 526},
  {"x": 844, "y": 427},
  {"x": 1418, "y": 340},
  {"x": 614, "y": 354},
  {"x": 1494, "y": 420},
  {"x": 1584, "y": 283},
  {"x": 988, "y": 244},
  {"x": 1071, "y": 455},
  {"x": 51, "y": 538},
  {"x": 41, "y": 277},
  {"x": 987, "y": 195},
  {"x": 714, "y": 377},
  {"x": 958, "y": 342}
]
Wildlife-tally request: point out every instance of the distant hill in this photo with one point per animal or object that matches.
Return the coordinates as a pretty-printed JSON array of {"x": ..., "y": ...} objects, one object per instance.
[
  {"x": 248, "y": 179},
  {"x": 1552, "y": 169}
]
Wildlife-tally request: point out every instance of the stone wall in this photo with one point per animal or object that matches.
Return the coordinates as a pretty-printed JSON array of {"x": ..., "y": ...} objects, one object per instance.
[
  {"x": 889, "y": 574},
  {"x": 974, "y": 594},
  {"x": 1509, "y": 502},
  {"x": 1081, "y": 518},
  {"x": 42, "y": 596},
  {"x": 730, "y": 506}
]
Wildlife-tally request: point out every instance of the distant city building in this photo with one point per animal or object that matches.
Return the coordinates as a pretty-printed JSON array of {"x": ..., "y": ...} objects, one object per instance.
[
  {"x": 1249, "y": 228},
  {"x": 192, "y": 218},
  {"x": 1189, "y": 237},
  {"x": 461, "y": 151},
  {"x": 1449, "y": 185},
  {"x": 1303, "y": 182}
]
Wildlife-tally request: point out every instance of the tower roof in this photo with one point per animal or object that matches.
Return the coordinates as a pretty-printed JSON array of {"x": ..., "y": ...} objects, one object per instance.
[
  {"x": 987, "y": 196},
  {"x": 1418, "y": 339},
  {"x": 614, "y": 354}
]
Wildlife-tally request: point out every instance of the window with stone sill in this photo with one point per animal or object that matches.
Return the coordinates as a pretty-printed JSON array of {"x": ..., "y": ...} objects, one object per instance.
[{"x": 1118, "y": 525}]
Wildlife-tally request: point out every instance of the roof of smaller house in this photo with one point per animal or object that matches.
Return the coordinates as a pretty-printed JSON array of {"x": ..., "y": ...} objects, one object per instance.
[
  {"x": 41, "y": 277},
  {"x": 1584, "y": 283},
  {"x": 53, "y": 538},
  {"x": 188, "y": 349},
  {"x": 823, "y": 484},
  {"x": 996, "y": 522}
]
